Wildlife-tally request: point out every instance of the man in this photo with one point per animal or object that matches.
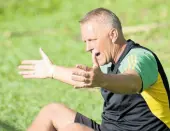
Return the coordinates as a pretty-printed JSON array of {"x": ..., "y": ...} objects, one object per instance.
[{"x": 133, "y": 83}]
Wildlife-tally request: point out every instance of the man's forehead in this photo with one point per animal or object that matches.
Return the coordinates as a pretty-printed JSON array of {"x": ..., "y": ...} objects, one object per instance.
[
  {"x": 88, "y": 30},
  {"x": 92, "y": 28},
  {"x": 89, "y": 26},
  {"x": 95, "y": 26}
]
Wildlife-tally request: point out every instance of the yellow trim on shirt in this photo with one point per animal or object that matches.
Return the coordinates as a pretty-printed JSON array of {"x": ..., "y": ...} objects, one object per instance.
[{"x": 157, "y": 101}]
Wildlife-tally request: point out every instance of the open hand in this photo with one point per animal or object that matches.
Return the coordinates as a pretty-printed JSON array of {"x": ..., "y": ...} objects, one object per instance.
[
  {"x": 86, "y": 76},
  {"x": 37, "y": 68}
]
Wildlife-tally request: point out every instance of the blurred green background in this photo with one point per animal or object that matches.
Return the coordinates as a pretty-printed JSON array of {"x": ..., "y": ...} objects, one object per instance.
[{"x": 26, "y": 25}]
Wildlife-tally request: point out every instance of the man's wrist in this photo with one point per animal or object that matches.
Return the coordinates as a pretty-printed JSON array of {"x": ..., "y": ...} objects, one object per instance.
[
  {"x": 51, "y": 71},
  {"x": 103, "y": 82}
]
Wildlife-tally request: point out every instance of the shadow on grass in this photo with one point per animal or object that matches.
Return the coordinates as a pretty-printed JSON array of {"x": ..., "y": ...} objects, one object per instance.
[{"x": 7, "y": 127}]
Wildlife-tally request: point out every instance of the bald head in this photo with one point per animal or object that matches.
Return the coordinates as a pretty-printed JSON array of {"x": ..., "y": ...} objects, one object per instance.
[{"x": 103, "y": 16}]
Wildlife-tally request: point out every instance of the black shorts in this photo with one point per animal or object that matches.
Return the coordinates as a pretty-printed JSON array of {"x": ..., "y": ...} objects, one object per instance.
[{"x": 88, "y": 122}]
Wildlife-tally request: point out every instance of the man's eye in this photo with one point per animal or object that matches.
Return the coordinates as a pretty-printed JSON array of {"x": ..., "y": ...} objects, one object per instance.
[{"x": 92, "y": 39}]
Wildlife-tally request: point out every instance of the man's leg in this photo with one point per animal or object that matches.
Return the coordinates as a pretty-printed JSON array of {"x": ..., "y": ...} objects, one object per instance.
[
  {"x": 76, "y": 127},
  {"x": 53, "y": 117}
]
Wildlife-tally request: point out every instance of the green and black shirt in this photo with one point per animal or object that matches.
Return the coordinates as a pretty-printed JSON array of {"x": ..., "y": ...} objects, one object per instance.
[{"x": 146, "y": 111}]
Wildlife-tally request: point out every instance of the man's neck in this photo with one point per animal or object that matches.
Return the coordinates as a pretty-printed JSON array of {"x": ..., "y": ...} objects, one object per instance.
[{"x": 119, "y": 48}]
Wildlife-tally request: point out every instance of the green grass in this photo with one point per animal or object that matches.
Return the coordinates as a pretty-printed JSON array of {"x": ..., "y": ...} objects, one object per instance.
[{"x": 20, "y": 99}]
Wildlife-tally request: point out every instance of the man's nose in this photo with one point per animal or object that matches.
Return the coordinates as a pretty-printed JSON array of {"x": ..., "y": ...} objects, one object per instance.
[{"x": 89, "y": 47}]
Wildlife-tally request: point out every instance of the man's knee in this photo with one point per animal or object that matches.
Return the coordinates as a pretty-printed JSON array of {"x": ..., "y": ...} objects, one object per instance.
[
  {"x": 59, "y": 114},
  {"x": 52, "y": 110},
  {"x": 76, "y": 127},
  {"x": 53, "y": 107}
]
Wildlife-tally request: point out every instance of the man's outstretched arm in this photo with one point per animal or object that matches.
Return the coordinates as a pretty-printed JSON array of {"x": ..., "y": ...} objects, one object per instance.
[
  {"x": 137, "y": 76},
  {"x": 44, "y": 68},
  {"x": 64, "y": 74}
]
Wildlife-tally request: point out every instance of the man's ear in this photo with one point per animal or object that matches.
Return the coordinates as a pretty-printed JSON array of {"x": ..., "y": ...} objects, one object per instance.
[{"x": 113, "y": 34}]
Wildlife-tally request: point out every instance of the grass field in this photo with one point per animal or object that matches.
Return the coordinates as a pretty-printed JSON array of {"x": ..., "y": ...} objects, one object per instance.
[{"x": 20, "y": 99}]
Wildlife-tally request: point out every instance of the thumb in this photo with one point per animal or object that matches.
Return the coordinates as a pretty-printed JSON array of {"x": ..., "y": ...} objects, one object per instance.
[
  {"x": 95, "y": 61},
  {"x": 43, "y": 55},
  {"x": 83, "y": 67}
]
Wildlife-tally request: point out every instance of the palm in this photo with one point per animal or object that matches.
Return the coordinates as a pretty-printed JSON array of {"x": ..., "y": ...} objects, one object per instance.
[
  {"x": 36, "y": 68},
  {"x": 42, "y": 69}
]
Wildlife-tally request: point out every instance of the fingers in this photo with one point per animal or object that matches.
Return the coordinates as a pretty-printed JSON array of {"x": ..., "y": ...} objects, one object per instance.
[
  {"x": 29, "y": 76},
  {"x": 83, "y": 67},
  {"x": 29, "y": 62},
  {"x": 26, "y": 67},
  {"x": 26, "y": 72},
  {"x": 95, "y": 61},
  {"x": 82, "y": 85},
  {"x": 44, "y": 56},
  {"x": 84, "y": 74},
  {"x": 79, "y": 85},
  {"x": 80, "y": 79}
]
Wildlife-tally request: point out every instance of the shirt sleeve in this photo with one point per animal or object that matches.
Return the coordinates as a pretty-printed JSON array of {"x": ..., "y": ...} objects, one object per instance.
[{"x": 144, "y": 63}]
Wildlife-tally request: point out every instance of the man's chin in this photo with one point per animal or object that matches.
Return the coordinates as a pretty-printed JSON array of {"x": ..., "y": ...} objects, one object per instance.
[
  {"x": 101, "y": 63},
  {"x": 104, "y": 63}
]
